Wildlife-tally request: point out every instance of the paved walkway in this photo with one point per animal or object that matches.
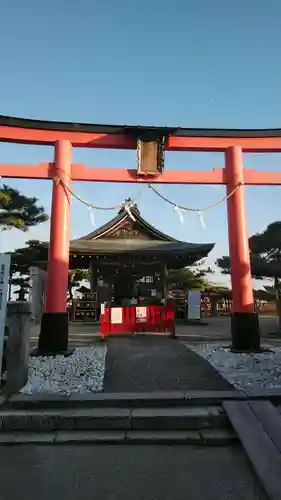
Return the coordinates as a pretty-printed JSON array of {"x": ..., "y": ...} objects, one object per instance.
[
  {"x": 147, "y": 364},
  {"x": 126, "y": 473}
]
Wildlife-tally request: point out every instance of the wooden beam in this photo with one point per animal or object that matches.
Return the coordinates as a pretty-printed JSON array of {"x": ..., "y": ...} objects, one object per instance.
[
  {"x": 193, "y": 142},
  {"x": 82, "y": 173},
  {"x": 211, "y": 144},
  {"x": 78, "y": 139},
  {"x": 26, "y": 171}
]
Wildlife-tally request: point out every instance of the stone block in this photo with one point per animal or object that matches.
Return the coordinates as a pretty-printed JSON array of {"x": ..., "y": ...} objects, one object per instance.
[
  {"x": 101, "y": 437},
  {"x": 101, "y": 419},
  {"x": 215, "y": 411},
  {"x": 17, "y": 351},
  {"x": 6, "y": 438},
  {"x": 33, "y": 437},
  {"x": 206, "y": 398},
  {"x": 55, "y": 420},
  {"x": 129, "y": 400},
  {"x": 29, "y": 421},
  {"x": 184, "y": 418},
  {"x": 218, "y": 417},
  {"x": 37, "y": 400},
  {"x": 217, "y": 437},
  {"x": 163, "y": 437}
]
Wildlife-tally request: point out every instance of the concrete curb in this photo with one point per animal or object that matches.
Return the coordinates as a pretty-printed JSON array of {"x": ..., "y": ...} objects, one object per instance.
[
  {"x": 127, "y": 400},
  {"x": 133, "y": 400}
]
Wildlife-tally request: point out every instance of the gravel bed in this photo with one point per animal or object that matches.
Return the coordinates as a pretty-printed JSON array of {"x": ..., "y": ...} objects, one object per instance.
[
  {"x": 83, "y": 371},
  {"x": 247, "y": 372}
]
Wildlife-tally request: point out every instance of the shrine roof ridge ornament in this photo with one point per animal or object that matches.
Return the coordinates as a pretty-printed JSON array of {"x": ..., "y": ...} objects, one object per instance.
[{"x": 136, "y": 131}]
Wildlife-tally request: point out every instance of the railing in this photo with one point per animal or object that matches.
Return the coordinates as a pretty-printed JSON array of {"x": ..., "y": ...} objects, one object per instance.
[{"x": 134, "y": 319}]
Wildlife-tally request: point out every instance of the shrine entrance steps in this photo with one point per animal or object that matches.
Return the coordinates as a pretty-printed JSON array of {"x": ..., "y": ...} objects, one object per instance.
[{"x": 195, "y": 418}]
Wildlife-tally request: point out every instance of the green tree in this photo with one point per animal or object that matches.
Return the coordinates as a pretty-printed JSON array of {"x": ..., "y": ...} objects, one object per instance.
[
  {"x": 19, "y": 211},
  {"x": 189, "y": 278},
  {"x": 185, "y": 279},
  {"x": 265, "y": 248},
  {"x": 36, "y": 254}
]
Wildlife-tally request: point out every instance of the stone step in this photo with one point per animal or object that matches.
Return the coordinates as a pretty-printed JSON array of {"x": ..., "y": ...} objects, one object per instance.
[
  {"x": 127, "y": 400},
  {"x": 211, "y": 437},
  {"x": 126, "y": 419}
]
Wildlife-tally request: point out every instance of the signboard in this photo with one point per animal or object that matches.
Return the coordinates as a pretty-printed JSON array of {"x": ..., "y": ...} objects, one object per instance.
[
  {"x": 141, "y": 314},
  {"x": 194, "y": 305},
  {"x": 4, "y": 282},
  {"x": 116, "y": 315},
  {"x": 102, "y": 308}
]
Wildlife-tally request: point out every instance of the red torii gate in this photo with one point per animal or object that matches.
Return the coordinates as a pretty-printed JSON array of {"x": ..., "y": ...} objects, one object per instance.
[{"x": 64, "y": 136}]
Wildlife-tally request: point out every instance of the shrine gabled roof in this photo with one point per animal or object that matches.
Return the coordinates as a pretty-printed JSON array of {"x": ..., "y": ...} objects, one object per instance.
[
  {"x": 122, "y": 216},
  {"x": 139, "y": 247},
  {"x": 160, "y": 244}
]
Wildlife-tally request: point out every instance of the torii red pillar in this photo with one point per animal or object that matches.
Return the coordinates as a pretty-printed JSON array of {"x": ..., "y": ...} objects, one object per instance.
[
  {"x": 244, "y": 321},
  {"x": 54, "y": 327}
]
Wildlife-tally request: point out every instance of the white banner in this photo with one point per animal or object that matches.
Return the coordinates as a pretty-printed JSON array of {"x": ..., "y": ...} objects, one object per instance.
[
  {"x": 141, "y": 314},
  {"x": 116, "y": 315},
  {"x": 194, "y": 305},
  {"x": 5, "y": 261}
]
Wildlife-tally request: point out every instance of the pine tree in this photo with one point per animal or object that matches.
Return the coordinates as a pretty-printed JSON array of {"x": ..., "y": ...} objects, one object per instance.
[{"x": 19, "y": 211}]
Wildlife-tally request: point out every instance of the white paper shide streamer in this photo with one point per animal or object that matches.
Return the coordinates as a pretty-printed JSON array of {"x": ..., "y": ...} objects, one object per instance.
[
  {"x": 201, "y": 218},
  {"x": 92, "y": 217},
  {"x": 179, "y": 212}
]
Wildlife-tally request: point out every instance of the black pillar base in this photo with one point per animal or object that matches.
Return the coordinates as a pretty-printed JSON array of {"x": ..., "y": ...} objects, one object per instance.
[
  {"x": 245, "y": 332},
  {"x": 53, "y": 338}
]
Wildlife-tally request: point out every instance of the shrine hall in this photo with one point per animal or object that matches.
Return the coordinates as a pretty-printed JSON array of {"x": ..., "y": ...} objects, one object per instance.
[{"x": 128, "y": 259}]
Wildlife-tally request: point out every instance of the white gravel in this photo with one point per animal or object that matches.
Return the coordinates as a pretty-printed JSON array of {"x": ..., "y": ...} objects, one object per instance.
[
  {"x": 247, "y": 372},
  {"x": 83, "y": 371}
]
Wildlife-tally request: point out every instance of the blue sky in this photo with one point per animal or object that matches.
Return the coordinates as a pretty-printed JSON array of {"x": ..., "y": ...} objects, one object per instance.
[{"x": 183, "y": 63}]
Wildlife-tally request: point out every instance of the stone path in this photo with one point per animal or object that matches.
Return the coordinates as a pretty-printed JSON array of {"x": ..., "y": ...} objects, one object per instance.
[
  {"x": 147, "y": 364},
  {"x": 126, "y": 473}
]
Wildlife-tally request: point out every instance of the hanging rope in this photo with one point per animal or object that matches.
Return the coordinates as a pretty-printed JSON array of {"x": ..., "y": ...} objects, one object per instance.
[
  {"x": 126, "y": 205},
  {"x": 178, "y": 207},
  {"x": 86, "y": 203}
]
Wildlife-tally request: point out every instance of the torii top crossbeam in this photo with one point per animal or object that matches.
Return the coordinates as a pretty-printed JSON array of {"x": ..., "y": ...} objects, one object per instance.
[
  {"x": 39, "y": 132},
  {"x": 31, "y": 131}
]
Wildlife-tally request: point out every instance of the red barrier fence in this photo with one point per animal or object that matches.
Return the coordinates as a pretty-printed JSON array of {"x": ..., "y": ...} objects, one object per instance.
[{"x": 133, "y": 319}]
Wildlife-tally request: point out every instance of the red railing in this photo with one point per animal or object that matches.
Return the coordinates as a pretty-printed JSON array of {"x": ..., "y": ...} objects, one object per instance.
[{"x": 133, "y": 319}]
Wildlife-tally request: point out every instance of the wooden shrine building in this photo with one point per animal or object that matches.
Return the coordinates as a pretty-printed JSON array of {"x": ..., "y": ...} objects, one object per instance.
[{"x": 128, "y": 258}]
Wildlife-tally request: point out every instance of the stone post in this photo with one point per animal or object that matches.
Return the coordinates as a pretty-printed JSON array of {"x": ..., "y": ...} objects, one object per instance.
[
  {"x": 17, "y": 350},
  {"x": 37, "y": 293}
]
